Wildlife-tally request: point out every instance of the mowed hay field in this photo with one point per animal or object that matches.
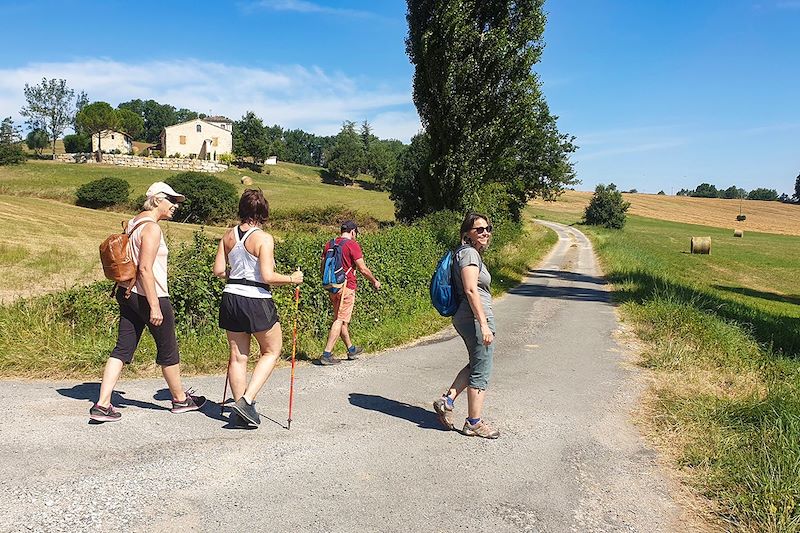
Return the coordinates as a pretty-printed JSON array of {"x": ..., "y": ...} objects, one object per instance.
[
  {"x": 47, "y": 245},
  {"x": 766, "y": 217}
]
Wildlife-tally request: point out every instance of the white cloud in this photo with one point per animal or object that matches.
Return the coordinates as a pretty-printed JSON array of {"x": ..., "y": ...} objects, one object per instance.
[
  {"x": 303, "y": 6},
  {"x": 292, "y": 96}
]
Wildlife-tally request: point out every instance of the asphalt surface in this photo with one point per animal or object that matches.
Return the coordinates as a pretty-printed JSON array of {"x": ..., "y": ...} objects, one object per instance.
[{"x": 365, "y": 451}]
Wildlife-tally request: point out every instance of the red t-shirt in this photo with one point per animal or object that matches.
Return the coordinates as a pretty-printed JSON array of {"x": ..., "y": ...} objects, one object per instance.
[{"x": 351, "y": 252}]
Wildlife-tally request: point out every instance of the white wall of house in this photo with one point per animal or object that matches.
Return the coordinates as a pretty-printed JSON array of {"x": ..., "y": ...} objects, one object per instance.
[
  {"x": 196, "y": 137},
  {"x": 112, "y": 140}
]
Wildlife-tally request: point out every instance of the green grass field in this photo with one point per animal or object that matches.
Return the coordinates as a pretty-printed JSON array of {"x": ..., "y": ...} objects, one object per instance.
[
  {"x": 721, "y": 334},
  {"x": 288, "y": 186}
]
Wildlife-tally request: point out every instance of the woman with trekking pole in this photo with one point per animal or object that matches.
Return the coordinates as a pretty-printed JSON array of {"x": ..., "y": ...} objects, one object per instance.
[
  {"x": 474, "y": 322},
  {"x": 246, "y": 260}
]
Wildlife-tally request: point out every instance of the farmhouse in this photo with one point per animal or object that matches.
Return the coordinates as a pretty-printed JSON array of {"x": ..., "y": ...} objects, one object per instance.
[
  {"x": 202, "y": 138},
  {"x": 112, "y": 140}
]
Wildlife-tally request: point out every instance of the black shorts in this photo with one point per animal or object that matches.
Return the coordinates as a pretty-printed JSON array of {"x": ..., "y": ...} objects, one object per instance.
[
  {"x": 246, "y": 315},
  {"x": 134, "y": 317}
]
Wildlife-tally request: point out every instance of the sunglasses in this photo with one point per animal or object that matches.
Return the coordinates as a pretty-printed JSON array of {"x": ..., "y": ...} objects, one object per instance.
[
  {"x": 171, "y": 199},
  {"x": 480, "y": 230}
]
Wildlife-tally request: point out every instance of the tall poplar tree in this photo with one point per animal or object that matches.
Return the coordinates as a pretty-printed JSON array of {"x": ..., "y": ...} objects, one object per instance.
[{"x": 493, "y": 141}]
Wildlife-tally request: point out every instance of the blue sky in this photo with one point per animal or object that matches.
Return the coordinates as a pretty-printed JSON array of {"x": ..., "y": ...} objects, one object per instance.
[{"x": 662, "y": 95}]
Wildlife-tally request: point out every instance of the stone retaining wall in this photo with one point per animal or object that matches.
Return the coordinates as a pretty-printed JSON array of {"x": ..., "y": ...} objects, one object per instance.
[{"x": 145, "y": 162}]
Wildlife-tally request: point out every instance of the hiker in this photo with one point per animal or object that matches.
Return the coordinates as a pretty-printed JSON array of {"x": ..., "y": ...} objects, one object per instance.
[
  {"x": 344, "y": 300},
  {"x": 474, "y": 322},
  {"x": 148, "y": 305},
  {"x": 245, "y": 258}
]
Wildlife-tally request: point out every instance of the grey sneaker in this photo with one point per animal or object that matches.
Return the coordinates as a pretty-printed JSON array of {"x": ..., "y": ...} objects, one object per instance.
[
  {"x": 104, "y": 414},
  {"x": 352, "y": 356},
  {"x": 238, "y": 421},
  {"x": 328, "y": 361},
  {"x": 481, "y": 429},
  {"x": 191, "y": 403},
  {"x": 444, "y": 411},
  {"x": 247, "y": 411}
]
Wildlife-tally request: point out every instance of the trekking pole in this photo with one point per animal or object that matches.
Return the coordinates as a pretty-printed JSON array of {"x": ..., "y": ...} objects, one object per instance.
[
  {"x": 225, "y": 390},
  {"x": 294, "y": 351}
]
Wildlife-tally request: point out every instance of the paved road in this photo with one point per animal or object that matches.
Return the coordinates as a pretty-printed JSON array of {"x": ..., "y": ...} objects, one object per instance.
[{"x": 365, "y": 452}]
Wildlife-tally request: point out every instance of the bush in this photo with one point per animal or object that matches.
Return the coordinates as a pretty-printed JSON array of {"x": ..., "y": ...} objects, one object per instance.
[
  {"x": 606, "y": 208},
  {"x": 11, "y": 154},
  {"x": 225, "y": 159},
  {"x": 103, "y": 193},
  {"x": 209, "y": 200},
  {"x": 77, "y": 144}
]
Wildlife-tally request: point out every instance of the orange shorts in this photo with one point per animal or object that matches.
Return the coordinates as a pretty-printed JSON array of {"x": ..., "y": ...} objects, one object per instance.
[{"x": 343, "y": 303}]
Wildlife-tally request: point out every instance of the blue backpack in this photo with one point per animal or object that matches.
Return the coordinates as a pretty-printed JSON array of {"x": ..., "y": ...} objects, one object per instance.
[
  {"x": 334, "y": 276},
  {"x": 444, "y": 295}
]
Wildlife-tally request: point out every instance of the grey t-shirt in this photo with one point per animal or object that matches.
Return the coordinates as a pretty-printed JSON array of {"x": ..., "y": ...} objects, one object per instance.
[{"x": 470, "y": 256}]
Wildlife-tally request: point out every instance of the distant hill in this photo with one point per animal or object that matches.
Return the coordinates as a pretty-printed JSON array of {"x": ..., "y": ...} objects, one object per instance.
[{"x": 767, "y": 217}]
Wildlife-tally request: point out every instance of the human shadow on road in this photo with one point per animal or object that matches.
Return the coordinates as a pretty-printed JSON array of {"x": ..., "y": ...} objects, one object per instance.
[
  {"x": 594, "y": 292},
  {"x": 421, "y": 417},
  {"x": 89, "y": 391}
]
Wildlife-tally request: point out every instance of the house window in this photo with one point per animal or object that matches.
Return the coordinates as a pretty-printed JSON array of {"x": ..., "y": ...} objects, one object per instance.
[
  {"x": 215, "y": 141},
  {"x": 183, "y": 139},
  {"x": 199, "y": 128}
]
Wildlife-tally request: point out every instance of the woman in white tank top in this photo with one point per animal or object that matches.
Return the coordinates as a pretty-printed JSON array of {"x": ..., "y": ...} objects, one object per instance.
[{"x": 246, "y": 260}]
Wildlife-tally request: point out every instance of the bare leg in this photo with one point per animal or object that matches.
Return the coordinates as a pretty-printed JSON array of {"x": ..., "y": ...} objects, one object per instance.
[
  {"x": 111, "y": 375},
  {"x": 239, "y": 344},
  {"x": 345, "y": 334},
  {"x": 270, "y": 344},
  {"x": 333, "y": 336},
  {"x": 172, "y": 375},
  {"x": 460, "y": 383},
  {"x": 475, "y": 399}
]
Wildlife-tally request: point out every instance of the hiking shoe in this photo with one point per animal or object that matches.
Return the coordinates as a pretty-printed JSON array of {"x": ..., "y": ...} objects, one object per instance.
[
  {"x": 481, "y": 429},
  {"x": 238, "y": 421},
  {"x": 444, "y": 411},
  {"x": 104, "y": 414},
  {"x": 247, "y": 411},
  {"x": 191, "y": 403},
  {"x": 328, "y": 361},
  {"x": 352, "y": 356}
]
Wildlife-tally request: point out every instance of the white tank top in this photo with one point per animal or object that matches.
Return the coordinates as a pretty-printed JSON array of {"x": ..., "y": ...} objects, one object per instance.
[
  {"x": 159, "y": 265},
  {"x": 244, "y": 265}
]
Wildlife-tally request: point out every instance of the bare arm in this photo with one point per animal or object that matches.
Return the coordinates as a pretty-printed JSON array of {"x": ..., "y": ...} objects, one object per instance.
[
  {"x": 469, "y": 278},
  {"x": 221, "y": 260},
  {"x": 367, "y": 273},
  {"x": 265, "y": 251},
  {"x": 151, "y": 239}
]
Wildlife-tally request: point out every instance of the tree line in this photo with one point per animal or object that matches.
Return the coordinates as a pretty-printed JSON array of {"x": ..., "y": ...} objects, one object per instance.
[{"x": 707, "y": 190}]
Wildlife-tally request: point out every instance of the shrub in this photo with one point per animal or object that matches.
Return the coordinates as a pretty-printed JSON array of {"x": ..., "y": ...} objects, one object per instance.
[
  {"x": 11, "y": 154},
  {"x": 209, "y": 200},
  {"x": 77, "y": 144},
  {"x": 225, "y": 159},
  {"x": 103, "y": 193},
  {"x": 606, "y": 208}
]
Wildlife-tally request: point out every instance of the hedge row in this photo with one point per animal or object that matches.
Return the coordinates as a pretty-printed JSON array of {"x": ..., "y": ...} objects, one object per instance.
[{"x": 71, "y": 332}]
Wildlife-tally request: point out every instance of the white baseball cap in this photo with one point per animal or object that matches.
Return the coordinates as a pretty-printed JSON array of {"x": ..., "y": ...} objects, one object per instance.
[{"x": 160, "y": 187}]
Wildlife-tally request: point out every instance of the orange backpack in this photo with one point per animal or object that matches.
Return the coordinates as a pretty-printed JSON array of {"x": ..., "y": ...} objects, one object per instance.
[{"x": 117, "y": 259}]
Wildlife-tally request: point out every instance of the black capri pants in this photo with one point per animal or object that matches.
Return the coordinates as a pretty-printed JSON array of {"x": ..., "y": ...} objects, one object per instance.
[{"x": 134, "y": 316}]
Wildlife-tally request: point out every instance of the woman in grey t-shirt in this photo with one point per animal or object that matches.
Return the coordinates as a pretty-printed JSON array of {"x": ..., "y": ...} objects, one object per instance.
[{"x": 474, "y": 321}]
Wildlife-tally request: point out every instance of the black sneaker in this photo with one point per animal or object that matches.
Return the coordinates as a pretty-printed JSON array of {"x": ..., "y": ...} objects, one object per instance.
[
  {"x": 238, "y": 421},
  {"x": 247, "y": 411},
  {"x": 104, "y": 414},
  {"x": 191, "y": 403},
  {"x": 328, "y": 361},
  {"x": 352, "y": 356}
]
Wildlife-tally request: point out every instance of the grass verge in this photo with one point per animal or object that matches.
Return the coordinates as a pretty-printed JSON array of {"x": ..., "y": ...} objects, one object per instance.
[{"x": 722, "y": 336}]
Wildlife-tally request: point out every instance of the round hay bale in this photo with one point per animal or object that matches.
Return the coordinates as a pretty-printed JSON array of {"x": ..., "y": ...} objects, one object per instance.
[
  {"x": 738, "y": 233},
  {"x": 247, "y": 180},
  {"x": 701, "y": 245}
]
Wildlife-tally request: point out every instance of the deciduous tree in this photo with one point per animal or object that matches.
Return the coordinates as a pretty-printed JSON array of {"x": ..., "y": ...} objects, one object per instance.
[
  {"x": 482, "y": 105},
  {"x": 49, "y": 106},
  {"x": 37, "y": 140},
  {"x": 95, "y": 118},
  {"x": 346, "y": 157}
]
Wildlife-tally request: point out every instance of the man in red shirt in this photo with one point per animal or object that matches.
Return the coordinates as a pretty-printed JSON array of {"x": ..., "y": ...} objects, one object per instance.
[{"x": 344, "y": 300}]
